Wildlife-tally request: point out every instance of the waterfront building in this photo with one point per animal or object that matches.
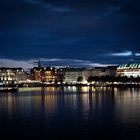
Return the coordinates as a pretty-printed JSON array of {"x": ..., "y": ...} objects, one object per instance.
[
  {"x": 44, "y": 74},
  {"x": 37, "y": 74},
  {"x": 50, "y": 74},
  {"x": 128, "y": 70},
  {"x": 71, "y": 74},
  {"x": 100, "y": 71},
  {"x": 12, "y": 75},
  {"x": 87, "y": 73},
  {"x": 112, "y": 70},
  {"x": 108, "y": 71},
  {"x": 61, "y": 75}
]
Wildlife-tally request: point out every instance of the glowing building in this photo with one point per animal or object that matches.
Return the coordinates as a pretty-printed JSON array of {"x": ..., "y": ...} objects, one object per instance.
[
  {"x": 129, "y": 70},
  {"x": 71, "y": 74},
  {"x": 11, "y": 75},
  {"x": 44, "y": 74}
]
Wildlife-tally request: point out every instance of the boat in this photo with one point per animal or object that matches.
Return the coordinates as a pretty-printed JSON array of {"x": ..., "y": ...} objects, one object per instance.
[{"x": 7, "y": 89}]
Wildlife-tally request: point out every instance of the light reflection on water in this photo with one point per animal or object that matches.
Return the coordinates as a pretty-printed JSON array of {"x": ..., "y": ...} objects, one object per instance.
[
  {"x": 127, "y": 107},
  {"x": 72, "y": 110}
]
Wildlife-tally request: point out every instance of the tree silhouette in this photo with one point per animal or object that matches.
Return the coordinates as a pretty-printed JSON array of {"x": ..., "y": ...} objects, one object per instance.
[{"x": 80, "y": 79}]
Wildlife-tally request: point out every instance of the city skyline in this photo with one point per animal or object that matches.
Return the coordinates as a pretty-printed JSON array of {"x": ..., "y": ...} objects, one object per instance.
[{"x": 82, "y": 33}]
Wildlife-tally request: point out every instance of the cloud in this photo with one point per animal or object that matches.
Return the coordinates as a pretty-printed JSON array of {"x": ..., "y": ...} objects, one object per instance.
[
  {"x": 126, "y": 53},
  {"x": 28, "y": 64},
  {"x": 137, "y": 54},
  {"x": 50, "y": 7},
  {"x": 16, "y": 63},
  {"x": 57, "y": 9},
  {"x": 73, "y": 62},
  {"x": 62, "y": 62}
]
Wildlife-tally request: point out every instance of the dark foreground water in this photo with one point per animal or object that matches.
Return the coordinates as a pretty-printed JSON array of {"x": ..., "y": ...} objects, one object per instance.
[{"x": 71, "y": 112}]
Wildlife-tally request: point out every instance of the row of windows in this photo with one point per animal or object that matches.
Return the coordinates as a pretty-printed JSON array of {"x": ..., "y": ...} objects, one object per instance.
[{"x": 10, "y": 76}]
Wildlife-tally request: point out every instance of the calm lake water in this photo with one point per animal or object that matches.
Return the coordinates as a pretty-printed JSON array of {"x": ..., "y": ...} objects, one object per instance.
[{"x": 71, "y": 112}]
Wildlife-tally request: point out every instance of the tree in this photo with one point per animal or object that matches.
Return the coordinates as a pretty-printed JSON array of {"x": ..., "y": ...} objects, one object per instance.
[
  {"x": 80, "y": 79},
  {"x": 90, "y": 79}
]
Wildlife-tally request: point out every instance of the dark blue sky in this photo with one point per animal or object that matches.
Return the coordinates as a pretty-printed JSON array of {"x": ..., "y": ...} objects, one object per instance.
[{"x": 74, "y": 32}]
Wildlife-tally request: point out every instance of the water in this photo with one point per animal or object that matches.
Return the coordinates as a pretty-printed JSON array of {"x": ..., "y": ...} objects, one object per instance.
[{"x": 71, "y": 112}]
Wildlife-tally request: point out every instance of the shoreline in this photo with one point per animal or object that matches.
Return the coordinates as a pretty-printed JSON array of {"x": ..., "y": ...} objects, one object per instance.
[{"x": 133, "y": 85}]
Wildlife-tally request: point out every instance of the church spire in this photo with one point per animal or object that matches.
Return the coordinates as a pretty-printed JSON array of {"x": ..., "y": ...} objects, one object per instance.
[{"x": 39, "y": 63}]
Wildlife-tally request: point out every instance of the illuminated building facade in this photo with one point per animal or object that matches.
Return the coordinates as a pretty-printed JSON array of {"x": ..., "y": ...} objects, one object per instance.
[
  {"x": 129, "y": 70},
  {"x": 50, "y": 74},
  {"x": 44, "y": 74},
  {"x": 100, "y": 71},
  {"x": 71, "y": 74},
  {"x": 37, "y": 73},
  {"x": 11, "y": 75}
]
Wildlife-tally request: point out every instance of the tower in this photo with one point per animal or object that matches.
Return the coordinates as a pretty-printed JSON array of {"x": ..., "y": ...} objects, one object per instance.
[{"x": 39, "y": 63}]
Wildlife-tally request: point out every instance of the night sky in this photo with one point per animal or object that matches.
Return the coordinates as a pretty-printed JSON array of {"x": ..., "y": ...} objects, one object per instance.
[{"x": 69, "y": 32}]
